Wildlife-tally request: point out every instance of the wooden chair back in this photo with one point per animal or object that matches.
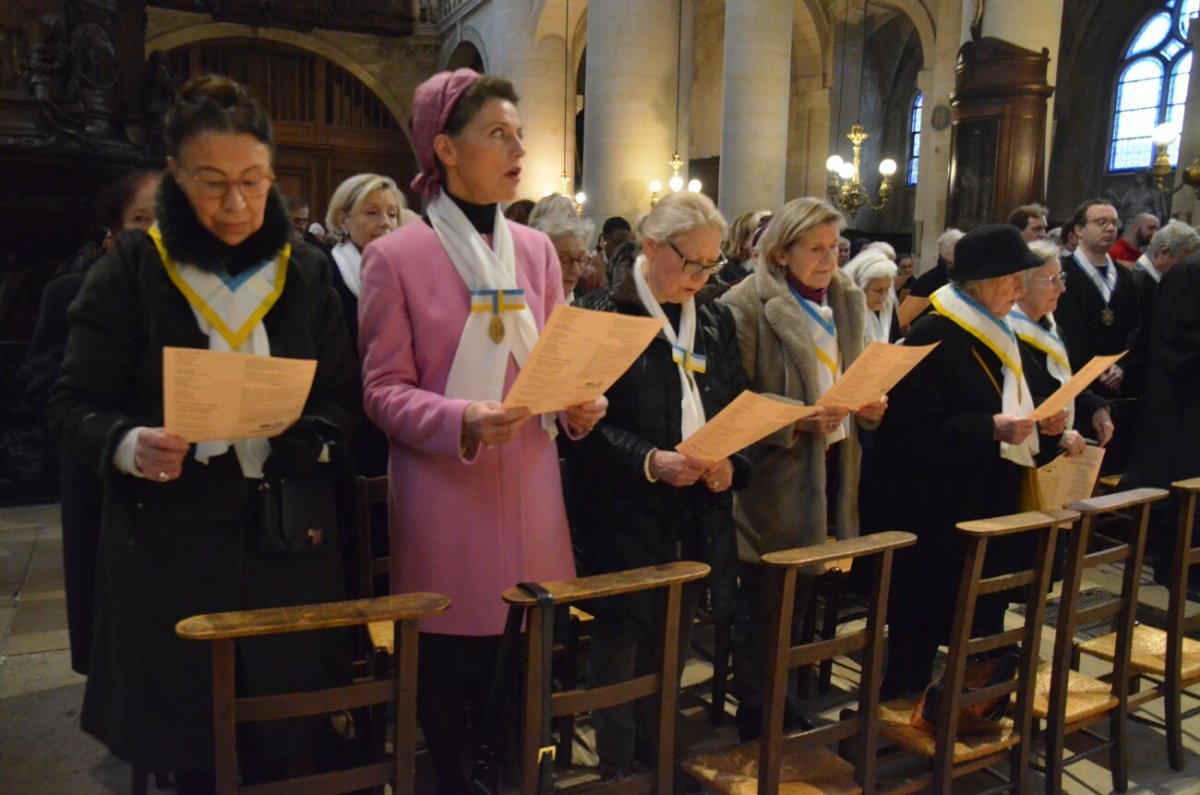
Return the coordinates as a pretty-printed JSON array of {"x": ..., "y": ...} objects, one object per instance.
[
  {"x": 669, "y": 577},
  {"x": 876, "y": 551},
  {"x": 370, "y": 494},
  {"x": 222, "y": 630},
  {"x": 1089, "y": 548},
  {"x": 951, "y": 753}
]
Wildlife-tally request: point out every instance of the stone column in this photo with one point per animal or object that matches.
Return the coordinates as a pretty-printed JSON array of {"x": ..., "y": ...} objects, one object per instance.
[
  {"x": 629, "y": 106},
  {"x": 754, "y": 124},
  {"x": 1034, "y": 26},
  {"x": 936, "y": 81},
  {"x": 536, "y": 67}
]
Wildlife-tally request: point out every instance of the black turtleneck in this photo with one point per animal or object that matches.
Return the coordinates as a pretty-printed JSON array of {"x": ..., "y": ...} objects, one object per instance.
[{"x": 481, "y": 216}]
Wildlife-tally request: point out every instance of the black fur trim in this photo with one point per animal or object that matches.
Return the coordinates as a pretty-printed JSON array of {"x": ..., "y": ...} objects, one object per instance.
[{"x": 190, "y": 242}]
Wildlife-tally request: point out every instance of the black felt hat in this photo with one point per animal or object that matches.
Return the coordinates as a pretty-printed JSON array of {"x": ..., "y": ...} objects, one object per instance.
[{"x": 990, "y": 251}]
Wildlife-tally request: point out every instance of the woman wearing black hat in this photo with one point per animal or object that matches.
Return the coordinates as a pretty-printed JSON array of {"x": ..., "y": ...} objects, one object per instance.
[{"x": 954, "y": 446}]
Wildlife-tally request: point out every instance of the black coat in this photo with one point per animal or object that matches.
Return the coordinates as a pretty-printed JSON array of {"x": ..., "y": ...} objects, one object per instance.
[
  {"x": 171, "y": 550},
  {"x": 619, "y": 520},
  {"x": 1042, "y": 385},
  {"x": 1167, "y": 447},
  {"x": 1086, "y": 335},
  {"x": 934, "y": 464}
]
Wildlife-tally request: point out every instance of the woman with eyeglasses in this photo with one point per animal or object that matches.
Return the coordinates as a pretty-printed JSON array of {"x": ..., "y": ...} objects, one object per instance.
[
  {"x": 800, "y": 322},
  {"x": 180, "y": 531},
  {"x": 569, "y": 235},
  {"x": 632, "y": 500},
  {"x": 1043, "y": 353}
]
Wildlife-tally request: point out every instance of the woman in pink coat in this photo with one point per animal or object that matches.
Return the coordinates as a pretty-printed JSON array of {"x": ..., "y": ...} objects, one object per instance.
[{"x": 449, "y": 310}]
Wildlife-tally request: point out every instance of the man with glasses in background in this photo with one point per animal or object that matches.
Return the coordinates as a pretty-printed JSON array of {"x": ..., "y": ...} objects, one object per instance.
[{"x": 1101, "y": 316}]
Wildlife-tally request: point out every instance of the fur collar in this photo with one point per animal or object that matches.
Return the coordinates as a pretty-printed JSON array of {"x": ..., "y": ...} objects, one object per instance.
[
  {"x": 190, "y": 242},
  {"x": 790, "y": 325}
]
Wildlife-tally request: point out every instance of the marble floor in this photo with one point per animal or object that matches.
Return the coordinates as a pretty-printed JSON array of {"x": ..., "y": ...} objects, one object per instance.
[{"x": 43, "y": 751}]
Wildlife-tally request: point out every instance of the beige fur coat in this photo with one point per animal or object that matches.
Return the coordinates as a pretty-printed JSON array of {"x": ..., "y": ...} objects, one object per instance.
[{"x": 785, "y": 504}]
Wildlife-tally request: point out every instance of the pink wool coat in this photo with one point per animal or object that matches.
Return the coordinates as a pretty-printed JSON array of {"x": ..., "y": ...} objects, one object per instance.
[{"x": 466, "y": 529}]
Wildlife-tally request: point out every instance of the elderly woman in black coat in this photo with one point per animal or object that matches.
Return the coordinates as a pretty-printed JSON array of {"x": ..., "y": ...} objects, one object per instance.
[
  {"x": 955, "y": 445},
  {"x": 633, "y": 501},
  {"x": 179, "y": 530}
]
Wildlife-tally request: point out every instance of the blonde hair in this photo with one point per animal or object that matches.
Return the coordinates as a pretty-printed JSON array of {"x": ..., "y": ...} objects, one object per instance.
[
  {"x": 737, "y": 237},
  {"x": 792, "y": 222},
  {"x": 678, "y": 213},
  {"x": 350, "y": 195}
]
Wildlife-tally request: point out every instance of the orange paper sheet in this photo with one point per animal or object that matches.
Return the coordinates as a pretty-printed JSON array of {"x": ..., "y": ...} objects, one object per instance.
[
  {"x": 748, "y": 418},
  {"x": 578, "y": 356},
  {"x": 211, "y": 395}
]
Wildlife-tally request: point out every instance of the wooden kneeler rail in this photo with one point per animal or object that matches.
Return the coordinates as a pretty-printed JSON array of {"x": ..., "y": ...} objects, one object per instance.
[
  {"x": 222, "y": 630},
  {"x": 802, "y": 762},
  {"x": 670, "y": 577}
]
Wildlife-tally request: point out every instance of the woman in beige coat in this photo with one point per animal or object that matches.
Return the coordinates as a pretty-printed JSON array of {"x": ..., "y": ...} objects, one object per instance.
[{"x": 800, "y": 323}]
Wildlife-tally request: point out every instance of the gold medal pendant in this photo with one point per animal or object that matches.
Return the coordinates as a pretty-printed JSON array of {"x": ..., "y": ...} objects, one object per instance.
[
  {"x": 1107, "y": 317},
  {"x": 496, "y": 329}
]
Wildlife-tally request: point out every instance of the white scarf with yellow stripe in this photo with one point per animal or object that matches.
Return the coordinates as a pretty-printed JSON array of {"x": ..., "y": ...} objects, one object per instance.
[
  {"x": 994, "y": 332},
  {"x": 823, "y": 332},
  {"x": 229, "y": 311},
  {"x": 1048, "y": 342}
]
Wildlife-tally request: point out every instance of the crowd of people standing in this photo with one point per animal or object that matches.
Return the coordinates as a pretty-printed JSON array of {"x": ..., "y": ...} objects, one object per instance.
[{"x": 419, "y": 324}]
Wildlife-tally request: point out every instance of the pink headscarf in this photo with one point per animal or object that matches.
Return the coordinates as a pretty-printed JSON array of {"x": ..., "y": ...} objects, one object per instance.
[{"x": 433, "y": 103}]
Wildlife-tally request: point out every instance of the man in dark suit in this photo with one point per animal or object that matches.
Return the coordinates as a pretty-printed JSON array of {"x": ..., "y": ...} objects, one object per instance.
[{"x": 1102, "y": 316}]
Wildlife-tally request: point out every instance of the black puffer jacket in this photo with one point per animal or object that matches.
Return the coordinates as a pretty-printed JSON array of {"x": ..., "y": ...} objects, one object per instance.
[{"x": 619, "y": 519}]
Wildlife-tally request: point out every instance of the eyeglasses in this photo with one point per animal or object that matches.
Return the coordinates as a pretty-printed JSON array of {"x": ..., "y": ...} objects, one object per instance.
[
  {"x": 694, "y": 268},
  {"x": 1058, "y": 278},
  {"x": 572, "y": 262},
  {"x": 1105, "y": 223},
  {"x": 251, "y": 188}
]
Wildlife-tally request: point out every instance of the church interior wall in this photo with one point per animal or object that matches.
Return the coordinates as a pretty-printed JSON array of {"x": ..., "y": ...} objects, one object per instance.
[{"x": 1094, "y": 39}]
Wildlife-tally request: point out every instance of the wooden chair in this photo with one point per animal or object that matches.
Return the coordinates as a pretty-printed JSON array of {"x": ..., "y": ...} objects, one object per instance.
[
  {"x": 801, "y": 760},
  {"x": 1067, "y": 700},
  {"x": 369, "y": 495},
  {"x": 953, "y": 753},
  {"x": 400, "y": 690},
  {"x": 1168, "y": 659},
  {"x": 670, "y": 577}
]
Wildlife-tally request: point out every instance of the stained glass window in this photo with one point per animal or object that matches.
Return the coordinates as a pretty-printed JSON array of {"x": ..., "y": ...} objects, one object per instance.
[
  {"x": 914, "y": 135},
  {"x": 1152, "y": 85}
]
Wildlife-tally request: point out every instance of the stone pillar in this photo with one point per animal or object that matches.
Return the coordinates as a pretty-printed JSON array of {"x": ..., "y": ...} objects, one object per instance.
[
  {"x": 936, "y": 81},
  {"x": 629, "y": 107},
  {"x": 754, "y": 124},
  {"x": 536, "y": 67},
  {"x": 1034, "y": 26}
]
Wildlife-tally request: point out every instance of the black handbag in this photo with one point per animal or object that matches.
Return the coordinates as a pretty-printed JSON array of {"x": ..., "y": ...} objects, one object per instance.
[{"x": 297, "y": 513}]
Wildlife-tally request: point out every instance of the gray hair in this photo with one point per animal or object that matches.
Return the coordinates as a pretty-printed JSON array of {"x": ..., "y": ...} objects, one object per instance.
[
  {"x": 350, "y": 195},
  {"x": 870, "y": 264},
  {"x": 947, "y": 241},
  {"x": 553, "y": 204},
  {"x": 1055, "y": 236},
  {"x": 678, "y": 213},
  {"x": 558, "y": 227},
  {"x": 1046, "y": 252},
  {"x": 1177, "y": 238},
  {"x": 886, "y": 248}
]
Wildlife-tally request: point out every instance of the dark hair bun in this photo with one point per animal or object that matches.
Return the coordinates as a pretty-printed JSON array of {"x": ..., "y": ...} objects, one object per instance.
[
  {"x": 218, "y": 89},
  {"x": 214, "y": 103}
]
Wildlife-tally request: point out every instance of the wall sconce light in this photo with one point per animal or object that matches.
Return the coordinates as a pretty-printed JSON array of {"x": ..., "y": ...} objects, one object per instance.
[
  {"x": 1164, "y": 135},
  {"x": 655, "y": 189}
]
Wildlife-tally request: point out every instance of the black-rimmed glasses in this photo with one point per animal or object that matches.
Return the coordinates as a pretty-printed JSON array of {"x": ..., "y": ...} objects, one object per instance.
[{"x": 694, "y": 268}]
